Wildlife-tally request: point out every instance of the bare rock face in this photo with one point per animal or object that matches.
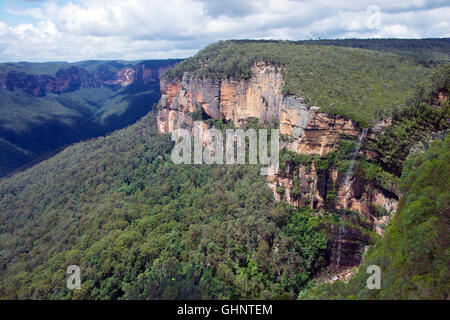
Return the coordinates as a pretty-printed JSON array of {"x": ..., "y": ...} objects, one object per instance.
[
  {"x": 307, "y": 193},
  {"x": 313, "y": 132},
  {"x": 309, "y": 131},
  {"x": 173, "y": 116},
  {"x": 259, "y": 97},
  {"x": 295, "y": 116},
  {"x": 123, "y": 77},
  {"x": 347, "y": 246}
]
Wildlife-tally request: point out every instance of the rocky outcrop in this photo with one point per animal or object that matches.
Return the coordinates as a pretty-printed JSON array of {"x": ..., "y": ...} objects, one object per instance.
[
  {"x": 123, "y": 77},
  {"x": 73, "y": 78},
  {"x": 304, "y": 130},
  {"x": 304, "y": 194},
  {"x": 313, "y": 132},
  {"x": 360, "y": 196},
  {"x": 259, "y": 97}
]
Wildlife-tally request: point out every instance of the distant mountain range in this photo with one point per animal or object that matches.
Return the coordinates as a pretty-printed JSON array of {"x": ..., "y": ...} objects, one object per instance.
[{"x": 45, "y": 106}]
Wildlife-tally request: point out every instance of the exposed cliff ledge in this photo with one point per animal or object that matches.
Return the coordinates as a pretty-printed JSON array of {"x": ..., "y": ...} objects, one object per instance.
[{"x": 311, "y": 131}]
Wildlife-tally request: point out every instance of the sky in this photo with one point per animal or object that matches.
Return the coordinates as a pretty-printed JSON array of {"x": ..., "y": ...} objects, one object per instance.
[{"x": 42, "y": 30}]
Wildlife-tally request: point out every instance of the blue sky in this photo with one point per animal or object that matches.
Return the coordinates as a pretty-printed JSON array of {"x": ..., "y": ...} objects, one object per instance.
[
  {"x": 11, "y": 10},
  {"x": 46, "y": 30}
]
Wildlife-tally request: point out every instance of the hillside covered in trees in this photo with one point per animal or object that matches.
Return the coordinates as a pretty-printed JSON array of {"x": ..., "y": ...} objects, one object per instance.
[
  {"x": 140, "y": 227},
  {"x": 47, "y": 106}
]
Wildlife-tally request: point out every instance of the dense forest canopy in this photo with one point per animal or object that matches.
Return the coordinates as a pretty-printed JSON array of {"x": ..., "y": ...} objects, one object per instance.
[{"x": 141, "y": 227}]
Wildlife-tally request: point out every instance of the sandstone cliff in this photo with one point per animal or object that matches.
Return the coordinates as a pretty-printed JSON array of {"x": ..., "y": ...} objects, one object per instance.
[
  {"x": 259, "y": 97},
  {"x": 304, "y": 130}
]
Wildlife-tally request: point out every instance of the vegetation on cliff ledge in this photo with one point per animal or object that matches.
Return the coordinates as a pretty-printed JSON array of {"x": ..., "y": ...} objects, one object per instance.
[
  {"x": 414, "y": 253},
  {"x": 428, "y": 111}
]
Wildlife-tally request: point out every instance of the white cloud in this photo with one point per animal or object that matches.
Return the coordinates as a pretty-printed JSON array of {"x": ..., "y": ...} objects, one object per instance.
[
  {"x": 136, "y": 29},
  {"x": 3, "y": 29}
]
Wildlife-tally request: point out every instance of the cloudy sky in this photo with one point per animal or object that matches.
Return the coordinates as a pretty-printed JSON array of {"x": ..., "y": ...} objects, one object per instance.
[{"x": 41, "y": 30}]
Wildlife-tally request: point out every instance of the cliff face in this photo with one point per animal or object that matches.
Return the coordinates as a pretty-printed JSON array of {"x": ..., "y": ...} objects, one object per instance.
[
  {"x": 311, "y": 131},
  {"x": 328, "y": 190},
  {"x": 259, "y": 97},
  {"x": 304, "y": 130},
  {"x": 307, "y": 131},
  {"x": 74, "y": 78}
]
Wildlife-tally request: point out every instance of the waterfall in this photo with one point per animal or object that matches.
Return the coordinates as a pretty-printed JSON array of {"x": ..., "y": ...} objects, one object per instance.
[
  {"x": 338, "y": 244},
  {"x": 348, "y": 173}
]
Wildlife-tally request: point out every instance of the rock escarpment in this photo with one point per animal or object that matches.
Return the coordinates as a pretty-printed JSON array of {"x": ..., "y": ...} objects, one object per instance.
[
  {"x": 74, "y": 77},
  {"x": 259, "y": 97},
  {"x": 46, "y": 106},
  {"x": 304, "y": 130}
]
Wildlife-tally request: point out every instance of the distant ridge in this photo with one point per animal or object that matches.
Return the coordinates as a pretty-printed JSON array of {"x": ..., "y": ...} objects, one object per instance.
[{"x": 45, "y": 106}]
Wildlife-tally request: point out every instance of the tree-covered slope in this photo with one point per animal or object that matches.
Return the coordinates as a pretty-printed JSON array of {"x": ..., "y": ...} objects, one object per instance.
[
  {"x": 428, "y": 110},
  {"x": 360, "y": 84},
  {"x": 424, "y": 51},
  {"x": 141, "y": 227},
  {"x": 32, "y": 126},
  {"x": 415, "y": 251}
]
